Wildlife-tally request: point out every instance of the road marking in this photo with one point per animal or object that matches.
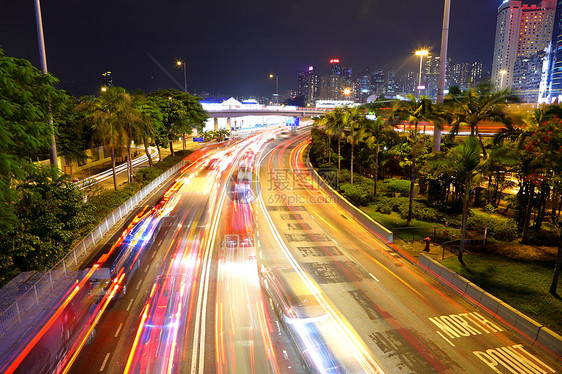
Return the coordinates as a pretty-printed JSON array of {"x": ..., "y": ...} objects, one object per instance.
[
  {"x": 118, "y": 330},
  {"x": 104, "y": 362},
  {"x": 139, "y": 284},
  {"x": 153, "y": 254},
  {"x": 129, "y": 306},
  {"x": 285, "y": 355},
  {"x": 146, "y": 268},
  {"x": 375, "y": 278},
  {"x": 515, "y": 359},
  {"x": 447, "y": 340},
  {"x": 160, "y": 242}
]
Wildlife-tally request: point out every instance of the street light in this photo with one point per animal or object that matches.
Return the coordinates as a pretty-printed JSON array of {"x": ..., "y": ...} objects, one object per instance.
[
  {"x": 182, "y": 63},
  {"x": 421, "y": 53},
  {"x": 502, "y": 73},
  {"x": 276, "y": 95},
  {"x": 43, "y": 56}
]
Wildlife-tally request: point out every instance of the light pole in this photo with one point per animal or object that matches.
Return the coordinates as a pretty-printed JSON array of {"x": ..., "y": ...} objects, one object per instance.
[
  {"x": 271, "y": 76},
  {"x": 436, "y": 147},
  {"x": 182, "y": 63},
  {"x": 502, "y": 74},
  {"x": 43, "y": 56},
  {"x": 421, "y": 53}
]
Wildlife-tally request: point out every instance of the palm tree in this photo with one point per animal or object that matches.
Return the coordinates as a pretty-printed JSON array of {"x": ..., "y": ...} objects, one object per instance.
[
  {"x": 108, "y": 115},
  {"x": 333, "y": 123},
  {"x": 352, "y": 119},
  {"x": 469, "y": 165},
  {"x": 473, "y": 107},
  {"x": 374, "y": 133},
  {"x": 415, "y": 111}
]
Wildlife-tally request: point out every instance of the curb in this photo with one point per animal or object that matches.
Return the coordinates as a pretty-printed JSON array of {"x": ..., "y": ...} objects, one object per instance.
[
  {"x": 516, "y": 321},
  {"x": 374, "y": 226}
]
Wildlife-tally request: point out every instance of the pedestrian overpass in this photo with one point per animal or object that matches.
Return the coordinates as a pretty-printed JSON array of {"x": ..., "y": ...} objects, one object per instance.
[{"x": 233, "y": 114}]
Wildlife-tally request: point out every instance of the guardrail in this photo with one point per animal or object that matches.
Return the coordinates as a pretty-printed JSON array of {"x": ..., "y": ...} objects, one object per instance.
[{"x": 17, "y": 311}]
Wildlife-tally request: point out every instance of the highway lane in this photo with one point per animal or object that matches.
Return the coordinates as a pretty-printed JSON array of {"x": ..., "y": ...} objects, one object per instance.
[
  {"x": 246, "y": 338},
  {"x": 164, "y": 322},
  {"x": 186, "y": 208},
  {"x": 395, "y": 318}
]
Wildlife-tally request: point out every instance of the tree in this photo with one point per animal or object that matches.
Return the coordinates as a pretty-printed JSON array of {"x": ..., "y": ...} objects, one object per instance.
[
  {"x": 469, "y": 166},
  {"x": 373, "y": 133},
  {"x": 181, "y": 113},
  {"x": 415, "y": 111},
  {"x": 545, "y": 147},
  {"x": 74, "y": 134},
  {"x": 25, "y": 98},
  {"x": 50, "y": 212},
  {"x": 352, "y": 119},
  {"x": 108, "y": 115},
  {"x": 474, "y": 106},
  {"x": 333, "y": 122}
]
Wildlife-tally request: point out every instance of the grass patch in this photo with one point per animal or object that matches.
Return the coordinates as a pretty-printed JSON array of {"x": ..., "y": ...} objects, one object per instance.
[
  {"x": 522, "y": 284},
  {"x": 416, "y": 231}
]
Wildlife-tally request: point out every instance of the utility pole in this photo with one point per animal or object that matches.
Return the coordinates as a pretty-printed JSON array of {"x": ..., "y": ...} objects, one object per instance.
[
  {"x": 442, "y": 70},
  {"x": 43, "y": 57}
]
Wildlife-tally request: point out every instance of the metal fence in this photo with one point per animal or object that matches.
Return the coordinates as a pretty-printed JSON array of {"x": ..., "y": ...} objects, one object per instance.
[{"x": 17, "y": 312}]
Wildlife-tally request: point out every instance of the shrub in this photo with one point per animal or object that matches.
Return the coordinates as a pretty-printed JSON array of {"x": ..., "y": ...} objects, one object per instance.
[
  {"x": 355, "y": 194},
  {"x": 499, "y": 228},
  {"x": 395, "y": 186}
]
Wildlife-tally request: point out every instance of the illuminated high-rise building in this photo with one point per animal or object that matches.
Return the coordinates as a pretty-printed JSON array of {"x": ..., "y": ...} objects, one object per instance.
[
  {"x": 308, "y": 84},
  {"x": 332, "y": 84},
  {"x": 523, "y": 30},
  {"x": 107, "y": 79},
  {"x": 335, "y": 66}
]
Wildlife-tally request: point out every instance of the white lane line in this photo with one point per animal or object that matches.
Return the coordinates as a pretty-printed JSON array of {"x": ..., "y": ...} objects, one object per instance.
[
  {"x": 146, "y": 268},
  {"x": 443, "y": 336},
  {"x": 139, "y": 284},
  {"x": 118, "y": 330},
  {"x": 160, "y": 242},
  {"x": 104, "y": 361},
  {"x": 129, "y": 306},
  {"x": 375, "y": 278},
  {"x": 153, "y": 254}
]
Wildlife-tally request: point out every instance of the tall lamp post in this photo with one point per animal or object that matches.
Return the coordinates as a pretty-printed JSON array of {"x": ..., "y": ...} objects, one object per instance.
[
  {"x": 43, "y": 56},
  {"x": 421, "y": 53},
  {"x": 271, "y": 76},
  {"x": 182, "y": 64},
  {"x": 436, "y": 147},
  {"x": 502, "y": 74}
]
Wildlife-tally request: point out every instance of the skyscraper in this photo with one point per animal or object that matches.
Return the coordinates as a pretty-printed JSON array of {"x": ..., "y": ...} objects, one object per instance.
[
  {"x": 308, "y": 84},
  {"x": 335, "y": 67},
  {"x": 332, "y": 84},
  {"x": 522, "y": 31},
  {"x": 552, "y": 89}
]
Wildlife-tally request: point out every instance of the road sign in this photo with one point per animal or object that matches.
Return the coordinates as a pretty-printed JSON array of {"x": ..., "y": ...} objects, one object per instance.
[
  {"x": 292, "y": 122},
  {"x": 198, "y": 139}
]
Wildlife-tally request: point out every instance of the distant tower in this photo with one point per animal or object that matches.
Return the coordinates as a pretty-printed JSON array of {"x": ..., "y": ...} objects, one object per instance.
[
  {"x": 332, "y": 84},
  {"x": 308, "y": 84},
  {"x": 107, "y": 79},
  {"x": 335, "y": 67}
]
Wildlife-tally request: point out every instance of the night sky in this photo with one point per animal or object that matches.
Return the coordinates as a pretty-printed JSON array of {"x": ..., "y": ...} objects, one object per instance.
[{"x": 230, "y": 47}]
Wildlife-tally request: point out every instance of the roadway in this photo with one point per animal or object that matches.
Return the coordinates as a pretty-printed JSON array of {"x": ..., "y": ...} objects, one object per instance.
[{"x": 248, "y": 266}]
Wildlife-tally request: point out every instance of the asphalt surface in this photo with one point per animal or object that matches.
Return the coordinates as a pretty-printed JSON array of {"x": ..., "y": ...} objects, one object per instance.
[{"x": 253, "y": 268}]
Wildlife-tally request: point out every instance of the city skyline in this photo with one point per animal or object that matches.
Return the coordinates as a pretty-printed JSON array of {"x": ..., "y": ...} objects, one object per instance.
[{"x": 232, "y": 50}]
